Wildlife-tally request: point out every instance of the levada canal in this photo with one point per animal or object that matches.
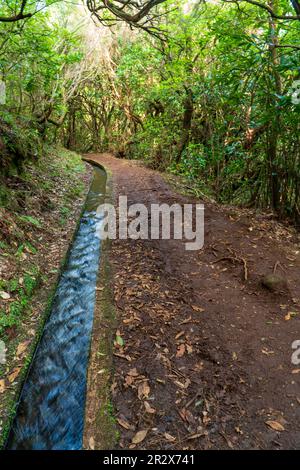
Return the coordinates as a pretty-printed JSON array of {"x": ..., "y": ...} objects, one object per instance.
[{"x": 50, "y": 413}]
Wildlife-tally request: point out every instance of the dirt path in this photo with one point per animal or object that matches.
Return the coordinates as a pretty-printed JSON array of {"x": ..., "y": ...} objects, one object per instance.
[{"x": 206, "y": 360}]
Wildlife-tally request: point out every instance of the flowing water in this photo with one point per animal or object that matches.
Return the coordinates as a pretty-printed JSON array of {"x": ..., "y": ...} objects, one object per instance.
[{"x": 50, "y": 413}]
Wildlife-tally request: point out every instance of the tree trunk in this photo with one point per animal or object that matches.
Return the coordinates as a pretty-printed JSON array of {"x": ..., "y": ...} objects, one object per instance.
[
  {"x": 71, "y": 140},
  {"x": 186, "y": 124},
  {"x": 274, "y": 129}
]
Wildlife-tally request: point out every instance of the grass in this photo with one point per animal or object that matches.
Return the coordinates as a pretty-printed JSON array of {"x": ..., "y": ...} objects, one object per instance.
[{"x": 30, "y": 220}]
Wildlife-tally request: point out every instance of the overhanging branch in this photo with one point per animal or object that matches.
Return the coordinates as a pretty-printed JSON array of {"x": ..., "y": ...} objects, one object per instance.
[
  {"x": 19, "y": 16},
  {"x": 271, "y": 12}
]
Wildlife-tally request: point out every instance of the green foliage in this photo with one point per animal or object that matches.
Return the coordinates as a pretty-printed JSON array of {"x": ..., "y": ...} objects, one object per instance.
[
  {"x": 22, "y": 294},
  {"x": 31, "y": 220},
  {"x": 38, "y": 60},
  {"x": 214, "y": 102}
]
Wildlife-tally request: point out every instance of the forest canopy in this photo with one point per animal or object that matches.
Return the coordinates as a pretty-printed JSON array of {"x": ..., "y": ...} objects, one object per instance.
[{"x": 205, "y": 89}]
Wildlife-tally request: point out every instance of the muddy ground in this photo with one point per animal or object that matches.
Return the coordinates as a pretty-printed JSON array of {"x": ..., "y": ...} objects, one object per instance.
[{"x": 203, "y": 350}]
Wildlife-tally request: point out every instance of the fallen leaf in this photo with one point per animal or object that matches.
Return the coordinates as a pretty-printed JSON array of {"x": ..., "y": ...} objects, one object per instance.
[
  {"x": 179, "y": 335},
  {"x": 187, "y": 320},
  {"x": 148, "y": 408},
  {"x": 180, "y": 350},
  {"x": 195, "y": 436},
  {"x": 2, "y": 386},
  {"x": 14, "y": 374},
  {"x": 128, "y": 320},
  {"x": 267, "y": 352},
  {"x": 197, "y": 309},
  {"x": 92, "y": 443},
  {"x": 275, "y": 425},
  {"x": 143, "y": 390},
  {"x": 139, "y": 436},
  {"x": 161, "y": 381},
  {"x": 22, "y": 347},
  {"x": 185, "y": 385},
  {"x": 295, "y": 371},
  {"x": 124, "y": 423},
  {"x": 123, "y": 356},
  {"x": 169, "y": 437},
  {"x": 4, "y": 295},
  {"x": 119, "y": 340},
  {"x": 205, "y": 418},
  {"x": 128, "y": 381},
  {"x": 287, "y": 317}
]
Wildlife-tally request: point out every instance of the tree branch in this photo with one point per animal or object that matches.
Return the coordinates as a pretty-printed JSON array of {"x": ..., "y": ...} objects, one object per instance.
[
  {"x": 270, "y": 10},
  {"x": 20, "y": 16}
]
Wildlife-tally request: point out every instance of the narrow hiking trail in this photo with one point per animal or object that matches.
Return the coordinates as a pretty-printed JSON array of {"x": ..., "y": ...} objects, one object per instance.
[{"x": 206, "y": 359}]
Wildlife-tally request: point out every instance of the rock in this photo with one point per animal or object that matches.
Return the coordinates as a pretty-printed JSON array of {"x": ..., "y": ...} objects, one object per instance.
[{"x": 274, "y": 283}]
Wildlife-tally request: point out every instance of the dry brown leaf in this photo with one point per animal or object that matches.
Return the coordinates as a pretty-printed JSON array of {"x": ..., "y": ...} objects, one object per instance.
[
  {"x": 295, "y": 371},
  {"x": 22, "y": 347},
  {"x": 179, "y": 335},
  {"x": 92, "y": 443},
  {"x": 133, "y": 372},
  {"x": 275, "y": 425},
  {"x": 122, "y": 422},
  {"x": 197, "y": 309},
  {"x": 180, "y": 350},
  {"x": 2, "y": 385},
  {"x": 195, "y": 436},
  {"x": 287, "y": 317},
  {"x": 143, "y": 390},
  {"x": 128, "y": 320},
  {"x": 187, "y": 320},
  {"x": 267, "y": 352},
  {"x": 14, "y": 374},
  {"x": 139, "y": 436},
  {"x": 128, "y": 381},
  {"x": 123, "y": 356},
  {"x": 184, "y": 385},
  {"x": 169, "y": 437},
  {"x": 205, "y": 418},
  {"x": 148, "y": 408}
]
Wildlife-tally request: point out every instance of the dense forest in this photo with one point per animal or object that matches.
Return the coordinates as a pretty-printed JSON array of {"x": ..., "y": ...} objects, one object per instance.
[{"x": 204, "y": 89}]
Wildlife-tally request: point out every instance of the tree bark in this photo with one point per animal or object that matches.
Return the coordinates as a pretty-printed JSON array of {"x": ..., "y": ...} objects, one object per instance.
[{"x": 186, "y": 123}]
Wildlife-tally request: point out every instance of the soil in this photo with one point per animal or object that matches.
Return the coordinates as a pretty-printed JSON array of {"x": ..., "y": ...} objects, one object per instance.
[{"x": 202, "y": 355}]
